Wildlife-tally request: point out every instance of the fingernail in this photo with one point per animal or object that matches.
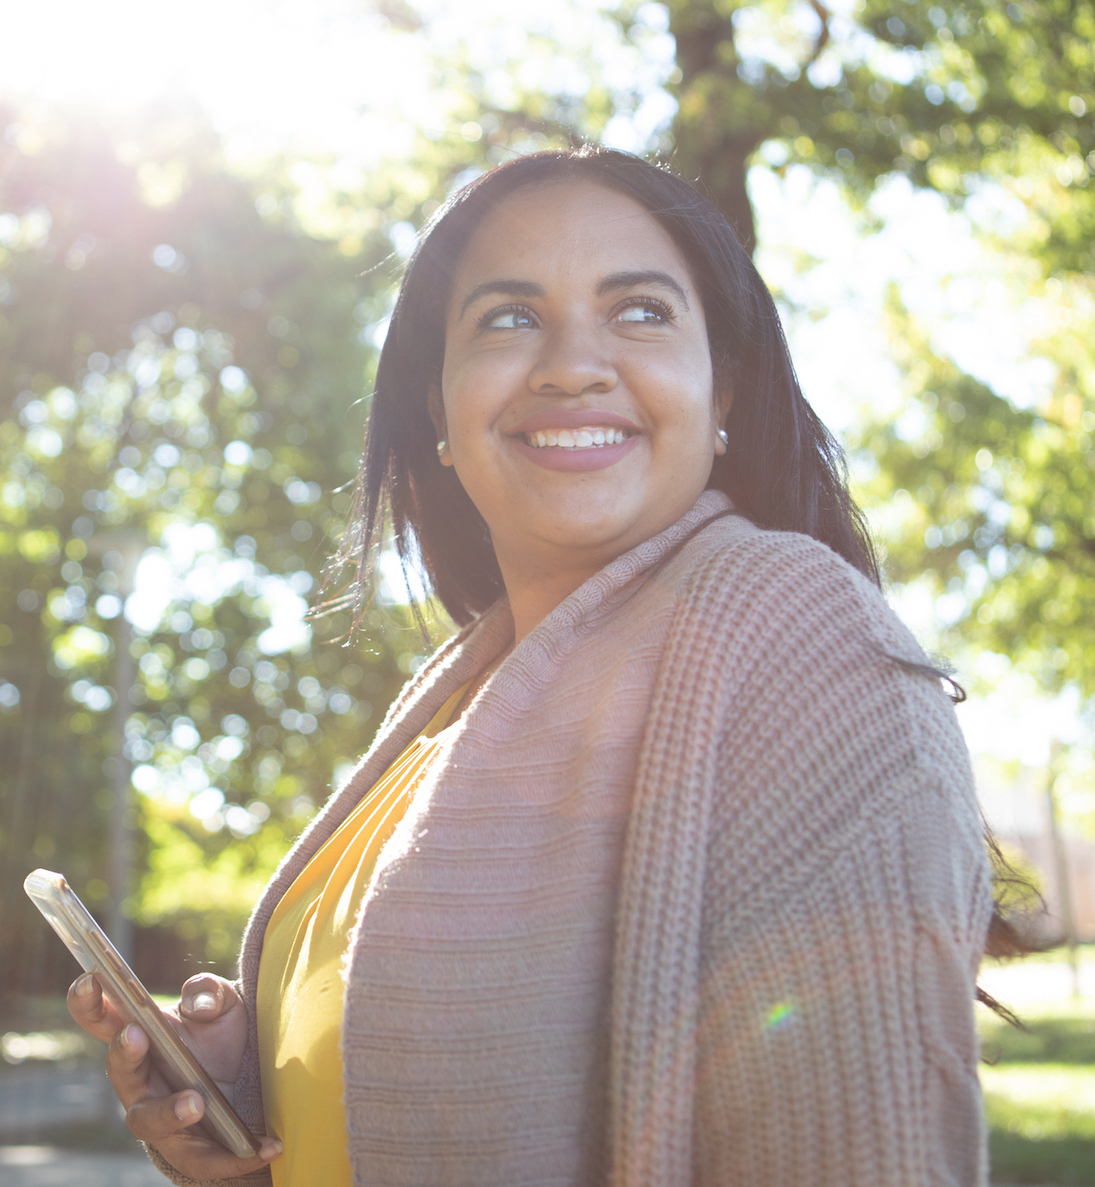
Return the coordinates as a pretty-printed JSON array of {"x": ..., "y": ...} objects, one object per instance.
[
  {"x": 84, "y": 985},
  {"x": 129, "y": 1035},
  {"x": 203, "y": 1001},
  {"x": 187, "y": 1108},
  {"x": 270, "y": 1150}
]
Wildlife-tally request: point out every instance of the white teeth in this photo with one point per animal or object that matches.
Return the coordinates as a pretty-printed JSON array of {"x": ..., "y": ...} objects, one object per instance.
[{"x": 584, "y": 438}]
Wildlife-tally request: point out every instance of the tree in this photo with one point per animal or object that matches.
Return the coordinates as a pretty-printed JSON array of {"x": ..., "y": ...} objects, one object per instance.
[
  {"x": 181, "y": 363},
  {"x": 960, "y": 98},
  {"x": 181, "y": 370},
  {"x": 947, "y": 94},
  {"x": 997, "y": 505}
]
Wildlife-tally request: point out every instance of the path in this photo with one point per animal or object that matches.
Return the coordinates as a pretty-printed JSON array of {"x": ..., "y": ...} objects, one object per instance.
[{"x": 43, "y": 1166}]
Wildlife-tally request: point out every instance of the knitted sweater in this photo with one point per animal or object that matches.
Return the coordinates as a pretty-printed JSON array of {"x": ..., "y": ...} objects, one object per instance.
[{"x": 714, "y": 748}]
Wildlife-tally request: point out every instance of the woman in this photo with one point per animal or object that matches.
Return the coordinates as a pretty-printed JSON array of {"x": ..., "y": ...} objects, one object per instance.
[{"x": 682, "y": 876}]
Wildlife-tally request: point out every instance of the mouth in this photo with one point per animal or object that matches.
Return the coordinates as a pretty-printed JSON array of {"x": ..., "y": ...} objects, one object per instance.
[
  {"x": 584, "y": 444},
  {"x": 585, "y": 437},
  {"x": 575, "y": 439}
]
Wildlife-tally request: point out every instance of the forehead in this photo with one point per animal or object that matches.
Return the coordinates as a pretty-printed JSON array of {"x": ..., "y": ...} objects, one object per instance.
[{"x": 567, "y": 232}]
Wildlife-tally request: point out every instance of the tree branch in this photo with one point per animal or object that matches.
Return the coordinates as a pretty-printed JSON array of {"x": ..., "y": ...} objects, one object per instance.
[{"x": 823, "y": 34}]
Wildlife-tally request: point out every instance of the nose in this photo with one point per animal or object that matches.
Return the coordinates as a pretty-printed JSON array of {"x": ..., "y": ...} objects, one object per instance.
[{"x": 572, "y": 360}]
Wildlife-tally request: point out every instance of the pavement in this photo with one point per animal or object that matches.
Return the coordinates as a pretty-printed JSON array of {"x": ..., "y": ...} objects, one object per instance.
[
  {"x": 35, "y": 1096},
  {"x": 45, "y": 1166}
]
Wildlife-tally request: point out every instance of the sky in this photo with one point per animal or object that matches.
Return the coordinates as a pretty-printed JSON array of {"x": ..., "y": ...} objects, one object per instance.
[
  {"x": 326, "y": 78},
  {"x": 314, "y": 76}
]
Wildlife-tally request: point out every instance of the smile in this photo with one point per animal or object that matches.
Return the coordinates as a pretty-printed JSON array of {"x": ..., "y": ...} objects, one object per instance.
[
  {"x": 588, "y": 437},
  {"x": 585, "y": 453}
]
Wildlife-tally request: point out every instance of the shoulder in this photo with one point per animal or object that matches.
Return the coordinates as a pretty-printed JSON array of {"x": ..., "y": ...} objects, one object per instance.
[
  {"x": 821, "y": 729},
  {"x": 816, "y": 677},
  {"x": 800, "y": 650},
  {"x": 742, "y": 583}
]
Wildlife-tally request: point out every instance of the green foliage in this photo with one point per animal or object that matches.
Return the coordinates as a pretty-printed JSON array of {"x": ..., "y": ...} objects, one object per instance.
[
  {"x": 181, "y": 372},
  {"x": 183, "y": 349},
  {"x": 943, "y": 93},
  {"x": 991, "y": 502},
  {"x": 993, "y": 505}
]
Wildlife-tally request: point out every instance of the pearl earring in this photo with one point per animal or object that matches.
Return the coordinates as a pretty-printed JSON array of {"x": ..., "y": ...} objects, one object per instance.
[
  {"x": 441, "y": 447},
  {"x": 723, "y": 436}
]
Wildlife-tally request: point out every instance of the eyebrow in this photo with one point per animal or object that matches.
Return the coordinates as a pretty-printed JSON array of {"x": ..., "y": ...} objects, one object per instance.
[
  {"x": 507, "y": 288},
  {"x": 612, "y": 283},
  {"x": 627, "y": 280}
]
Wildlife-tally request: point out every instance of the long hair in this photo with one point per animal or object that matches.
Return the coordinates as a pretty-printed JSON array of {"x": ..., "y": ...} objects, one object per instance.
[{"x": 783, "y": 469}]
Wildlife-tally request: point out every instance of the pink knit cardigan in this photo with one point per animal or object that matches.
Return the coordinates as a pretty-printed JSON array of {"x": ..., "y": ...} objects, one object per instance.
[{"x": 700, "y": 821}]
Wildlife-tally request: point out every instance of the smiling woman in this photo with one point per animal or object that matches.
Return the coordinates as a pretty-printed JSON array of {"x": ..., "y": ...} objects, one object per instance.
[
  {"x": 666, "y": 870},
  {"x": 598, "y": 335}
]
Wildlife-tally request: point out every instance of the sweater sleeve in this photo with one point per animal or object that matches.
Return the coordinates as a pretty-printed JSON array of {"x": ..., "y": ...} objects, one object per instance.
[
  {"x": 846, "y": 897},
  {"x": 259, "y": 1178}
]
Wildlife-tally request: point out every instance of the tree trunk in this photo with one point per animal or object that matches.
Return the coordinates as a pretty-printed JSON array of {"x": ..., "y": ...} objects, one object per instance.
[{"x": 713, "y": 137}]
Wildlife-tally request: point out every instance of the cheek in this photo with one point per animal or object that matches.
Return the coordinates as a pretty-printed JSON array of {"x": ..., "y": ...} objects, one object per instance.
[
  {"x": 685, "y": 393},
  {"x": 686, "y": 371},
  {"x": 476, "y": 391}
]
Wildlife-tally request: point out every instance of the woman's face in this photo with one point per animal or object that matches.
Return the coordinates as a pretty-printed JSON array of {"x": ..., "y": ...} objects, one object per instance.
[{"x": 577, "y": 394}]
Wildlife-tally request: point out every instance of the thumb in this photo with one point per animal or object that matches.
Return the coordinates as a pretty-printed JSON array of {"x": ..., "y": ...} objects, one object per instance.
[{"x": 205, "y": 997}]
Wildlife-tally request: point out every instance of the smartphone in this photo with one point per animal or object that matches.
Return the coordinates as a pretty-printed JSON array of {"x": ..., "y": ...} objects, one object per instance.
[{"x": 87, "y": 941}]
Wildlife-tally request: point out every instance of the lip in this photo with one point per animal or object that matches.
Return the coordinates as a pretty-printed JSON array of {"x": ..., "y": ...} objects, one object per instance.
[
  {"x": 552, "y": 457},
  {"x": 574, "y": 418}
]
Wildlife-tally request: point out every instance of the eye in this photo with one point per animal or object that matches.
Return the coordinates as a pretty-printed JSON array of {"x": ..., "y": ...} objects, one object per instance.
[
  {"x": 645, "y": 311},
  {"x": 510, "y": 317}
]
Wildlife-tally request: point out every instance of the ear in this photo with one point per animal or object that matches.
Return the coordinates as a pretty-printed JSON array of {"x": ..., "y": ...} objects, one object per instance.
[{"x": 436, "y": 408}]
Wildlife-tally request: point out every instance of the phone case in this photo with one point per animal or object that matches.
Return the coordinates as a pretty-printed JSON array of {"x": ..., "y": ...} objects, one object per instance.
[{"x": 87, "y": 941}]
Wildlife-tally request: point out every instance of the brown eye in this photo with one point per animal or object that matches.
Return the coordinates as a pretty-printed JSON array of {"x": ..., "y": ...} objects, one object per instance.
[
  {"x": 645, "y": 312},
  {"x": 514, "y": 317}
]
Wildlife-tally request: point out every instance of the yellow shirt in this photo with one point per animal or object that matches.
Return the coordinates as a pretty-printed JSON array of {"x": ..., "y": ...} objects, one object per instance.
[{"x": 300, "y": 989}]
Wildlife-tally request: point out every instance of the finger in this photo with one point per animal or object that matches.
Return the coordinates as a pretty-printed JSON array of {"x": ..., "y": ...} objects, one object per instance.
[
  {"x": 206, "y": 997},
  {"x": 165, "y": 1122},
  {"x": 91, "y": 1010},
  {"x": 128, "y": 1065},
  {"x": 155, "y": 1118}
]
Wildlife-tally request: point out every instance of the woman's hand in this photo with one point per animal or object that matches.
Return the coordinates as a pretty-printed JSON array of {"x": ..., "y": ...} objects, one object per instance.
[{"x": 212, "y": 1021}]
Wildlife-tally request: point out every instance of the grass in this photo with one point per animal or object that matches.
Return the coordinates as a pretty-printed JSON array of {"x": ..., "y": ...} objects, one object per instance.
[{"x": 1039, "y": 1084}]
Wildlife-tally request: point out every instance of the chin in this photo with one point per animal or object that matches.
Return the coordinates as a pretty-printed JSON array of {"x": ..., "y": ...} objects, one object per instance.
[{"x": 585, "y": 532}]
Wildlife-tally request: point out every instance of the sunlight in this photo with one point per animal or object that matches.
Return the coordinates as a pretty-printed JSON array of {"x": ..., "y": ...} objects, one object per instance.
[
  {"x": 334, "y": 85},
  {"x": 300, "y": 73},
  {"x": 327, "y": 76}
]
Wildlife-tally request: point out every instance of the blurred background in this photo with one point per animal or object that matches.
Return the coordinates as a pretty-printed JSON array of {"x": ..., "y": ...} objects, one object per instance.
[{"x": 203, "y": 216}]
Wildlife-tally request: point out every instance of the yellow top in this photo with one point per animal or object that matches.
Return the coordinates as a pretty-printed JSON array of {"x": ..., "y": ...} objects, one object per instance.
[{"x": 300, "y": 989}]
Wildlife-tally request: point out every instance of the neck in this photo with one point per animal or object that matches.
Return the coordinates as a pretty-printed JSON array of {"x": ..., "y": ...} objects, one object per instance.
[
  {"x": 538, "y": 578},
  {"x": 534, "y": 593}
]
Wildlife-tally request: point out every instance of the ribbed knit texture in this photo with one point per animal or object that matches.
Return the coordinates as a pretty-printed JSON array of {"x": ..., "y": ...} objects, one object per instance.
[{"x": 695, "y": 896}]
